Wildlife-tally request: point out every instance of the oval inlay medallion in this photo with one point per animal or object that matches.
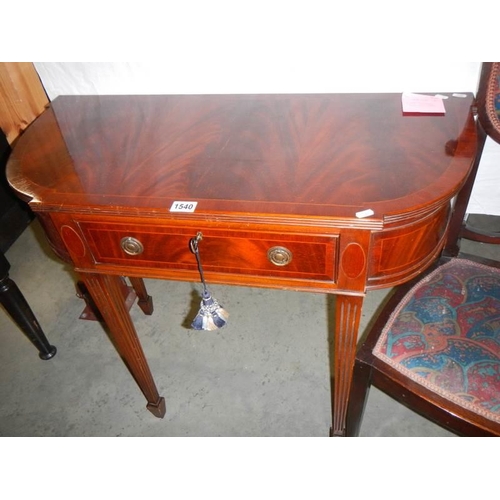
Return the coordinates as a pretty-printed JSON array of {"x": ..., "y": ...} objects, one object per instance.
[
  {"x": 353, "y": 260},
  {"x": 73, "y": 242}
]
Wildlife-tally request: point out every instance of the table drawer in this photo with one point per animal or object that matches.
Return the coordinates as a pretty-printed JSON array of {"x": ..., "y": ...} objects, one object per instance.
[{"x": 295, "y": 256}]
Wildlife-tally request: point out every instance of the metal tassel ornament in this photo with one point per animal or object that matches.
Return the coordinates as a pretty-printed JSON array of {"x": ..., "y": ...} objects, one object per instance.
[{"x": 211, "y": 315}]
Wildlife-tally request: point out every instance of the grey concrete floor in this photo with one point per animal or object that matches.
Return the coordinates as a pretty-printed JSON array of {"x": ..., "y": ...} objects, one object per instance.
[{"x": 265, "y": 374}]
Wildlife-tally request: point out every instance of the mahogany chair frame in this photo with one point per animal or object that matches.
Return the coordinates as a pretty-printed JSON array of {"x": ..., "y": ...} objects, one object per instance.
[{"x": 489, "y": 120}]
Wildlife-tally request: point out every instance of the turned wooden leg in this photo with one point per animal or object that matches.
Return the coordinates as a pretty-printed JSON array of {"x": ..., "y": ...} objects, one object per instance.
[
  {"x": 145, "y": 301},
  {"x": 18, "y": 308},
  {"x": 347, "y": 317},
  {"x": 107, "y": 294}
]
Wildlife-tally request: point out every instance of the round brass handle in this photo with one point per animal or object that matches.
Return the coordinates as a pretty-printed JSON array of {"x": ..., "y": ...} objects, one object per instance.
[
  {"x": 279, "y": 256},
  {"x": 132, "y": 246}
]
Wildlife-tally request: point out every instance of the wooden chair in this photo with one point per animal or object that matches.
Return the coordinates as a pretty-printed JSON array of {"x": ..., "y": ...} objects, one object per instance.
[
  {"x": 488, "y": 106},
  {"x": 15, "y": 216},
  {"x": 435, "y": 346}
]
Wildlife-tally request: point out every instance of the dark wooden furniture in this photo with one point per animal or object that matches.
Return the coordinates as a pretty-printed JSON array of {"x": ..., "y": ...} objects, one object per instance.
[
  {"x": 15, "y": 215},
  {"x": 281, "y": 185},
  {"x": 388, "y": 376},
  {"x": 423, "y": 398},
  {"x": 14, "y": 218},
  {"x": 488, "y": 105},
  {"x": 19, "y": 310}
]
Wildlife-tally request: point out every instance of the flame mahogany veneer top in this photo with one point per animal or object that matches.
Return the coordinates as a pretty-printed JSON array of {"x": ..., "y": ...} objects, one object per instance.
[{"x": 320, "y": 155}]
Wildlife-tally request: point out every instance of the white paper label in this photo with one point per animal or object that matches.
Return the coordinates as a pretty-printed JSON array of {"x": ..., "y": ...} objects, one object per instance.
[
  {"x": 183, "y": 206},
  {"x": 364, "y": 213}
]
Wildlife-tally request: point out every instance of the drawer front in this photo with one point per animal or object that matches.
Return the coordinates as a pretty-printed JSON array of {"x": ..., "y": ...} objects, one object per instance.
[{"x": 294, "y": 256}]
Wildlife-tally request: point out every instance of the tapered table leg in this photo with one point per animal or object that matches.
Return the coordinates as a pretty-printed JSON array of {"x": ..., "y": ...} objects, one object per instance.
[
  {"x": 347, "y": 318},
  {"x": 106, "y": 292},
  {"x": 145, "y": 301},
  {"x": 18, "y": 308}
]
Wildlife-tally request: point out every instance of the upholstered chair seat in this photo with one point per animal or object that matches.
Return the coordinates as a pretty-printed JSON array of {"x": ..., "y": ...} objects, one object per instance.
[{"x": 445, "y": 336}]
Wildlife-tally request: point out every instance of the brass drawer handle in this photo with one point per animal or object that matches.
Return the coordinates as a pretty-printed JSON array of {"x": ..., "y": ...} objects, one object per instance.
[
  {"x": 132, "y": 246},
  {"x": 279, "y": 256}
]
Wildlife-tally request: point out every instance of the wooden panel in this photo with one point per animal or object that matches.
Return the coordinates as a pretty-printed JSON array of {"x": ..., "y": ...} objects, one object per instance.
[
  {"x": 399, "y": 254},
  {"x": 271, "y": 156},
  {"x": 22, "y": 97},
  {"x": 222, "y": 251}
]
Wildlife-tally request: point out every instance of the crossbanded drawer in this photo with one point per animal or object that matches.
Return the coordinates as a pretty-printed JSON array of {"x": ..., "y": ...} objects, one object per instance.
[{"x": 295, "y": 256}]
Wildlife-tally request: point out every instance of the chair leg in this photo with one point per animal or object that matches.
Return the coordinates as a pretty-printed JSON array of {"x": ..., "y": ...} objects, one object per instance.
[
  {"x": 18, "y": 308},
  {"x": 145, "y": 301},
  {"x": 358, "y": 396}
]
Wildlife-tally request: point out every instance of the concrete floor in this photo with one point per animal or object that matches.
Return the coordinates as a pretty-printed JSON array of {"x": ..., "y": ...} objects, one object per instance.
[{"x": 265, "y": 374}]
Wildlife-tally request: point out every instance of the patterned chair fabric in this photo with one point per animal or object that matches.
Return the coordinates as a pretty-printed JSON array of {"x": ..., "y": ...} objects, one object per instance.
[
  {"x": 488, "y": 99},
  {"x": 445, "y": 335}
]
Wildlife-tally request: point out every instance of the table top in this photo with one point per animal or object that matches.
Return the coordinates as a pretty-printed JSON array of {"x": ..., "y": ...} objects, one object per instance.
[{"x": 321, "y": 156}]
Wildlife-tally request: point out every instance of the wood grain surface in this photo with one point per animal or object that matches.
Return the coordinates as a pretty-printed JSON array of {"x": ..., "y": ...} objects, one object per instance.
[{"x": 303, "y": 155}]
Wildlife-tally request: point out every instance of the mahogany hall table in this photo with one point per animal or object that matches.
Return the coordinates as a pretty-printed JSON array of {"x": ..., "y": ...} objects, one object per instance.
[{"x": 324, "y": 193}]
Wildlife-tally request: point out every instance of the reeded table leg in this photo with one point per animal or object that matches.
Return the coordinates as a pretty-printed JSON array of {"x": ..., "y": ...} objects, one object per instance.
[
  {"x": 108, "y": 297},
  {"x": 347, "y": 317},
  {"x": 17, "y": 307}
]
